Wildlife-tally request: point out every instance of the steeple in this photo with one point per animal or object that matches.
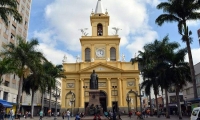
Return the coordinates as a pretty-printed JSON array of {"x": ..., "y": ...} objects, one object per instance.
[
  {"x": 99, "y": 21},
  {"x": 99, "y": 8}
]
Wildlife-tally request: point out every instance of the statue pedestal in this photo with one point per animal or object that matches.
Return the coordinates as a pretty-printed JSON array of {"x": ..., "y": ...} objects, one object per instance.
[{"x": 94, "y": 96}]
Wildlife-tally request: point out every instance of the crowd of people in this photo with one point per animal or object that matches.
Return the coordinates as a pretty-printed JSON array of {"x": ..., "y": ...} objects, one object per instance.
[{"x": 11, "y": 114}]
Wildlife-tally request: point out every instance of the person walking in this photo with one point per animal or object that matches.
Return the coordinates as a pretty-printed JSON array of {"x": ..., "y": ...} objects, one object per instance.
[
  {"x": 77, "y": 117},
  {"x": 11, "y": 113},
  {"x": 63, "y": 115},
  {"x": 41, "y": 114},
  {"x": 119, "y": 114},
  {"x": 68, "y": 114},
  {"x": 18, "y": 114}
]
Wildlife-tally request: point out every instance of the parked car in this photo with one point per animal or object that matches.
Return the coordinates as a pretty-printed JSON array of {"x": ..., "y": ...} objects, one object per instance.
[{"x": 195, "y": 114}]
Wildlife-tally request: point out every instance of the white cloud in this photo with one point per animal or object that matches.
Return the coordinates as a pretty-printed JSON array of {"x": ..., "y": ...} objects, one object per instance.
[
  {"x": 47, "y": 47},
  {"x": 54, "y": 55},
  {"x": 153, "y": 2},
  {"x": 195, "y": 55},
  {"x": 193, "y": 23},
  {"x": 148, "y": 36},
  {"x": 65, "y": 18}
]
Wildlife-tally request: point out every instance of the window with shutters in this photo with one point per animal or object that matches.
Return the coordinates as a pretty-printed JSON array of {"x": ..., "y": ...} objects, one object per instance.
[
  {"x": 87, "y": 55},
  {"x": 99, "y": 29},
  {"x": 112, "y": 54}
]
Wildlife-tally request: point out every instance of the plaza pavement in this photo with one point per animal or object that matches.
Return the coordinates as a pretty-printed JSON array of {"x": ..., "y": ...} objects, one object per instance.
[{"x": 172, "y": 117}]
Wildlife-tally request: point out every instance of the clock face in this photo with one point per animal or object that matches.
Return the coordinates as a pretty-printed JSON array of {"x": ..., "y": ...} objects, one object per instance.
[{"x": 100, "y": 52}]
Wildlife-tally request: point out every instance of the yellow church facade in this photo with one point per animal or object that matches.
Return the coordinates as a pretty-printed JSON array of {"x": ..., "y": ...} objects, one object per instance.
[{"x": 118, "y": 80}]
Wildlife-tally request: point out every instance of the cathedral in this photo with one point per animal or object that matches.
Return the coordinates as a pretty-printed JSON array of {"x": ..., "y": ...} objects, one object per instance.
[{"x": 117, "y": 80}]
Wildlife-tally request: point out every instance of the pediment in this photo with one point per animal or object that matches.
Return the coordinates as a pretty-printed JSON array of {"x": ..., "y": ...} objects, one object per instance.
[{"x": 101, "y": 67}]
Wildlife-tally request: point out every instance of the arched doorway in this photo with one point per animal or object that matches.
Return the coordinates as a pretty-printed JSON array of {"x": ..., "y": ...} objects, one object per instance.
[
  {"x": 131, "y": 99},
  {"x": 103, "y": 100}
]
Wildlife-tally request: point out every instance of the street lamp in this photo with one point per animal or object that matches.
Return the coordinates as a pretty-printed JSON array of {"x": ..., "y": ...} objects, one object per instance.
[
  {"x": 114, "y": 106},
  {"x": 128, "y": 99},
  {"x": 72, "y": 101},
  {"x": 56, "y": 95},
  {"x": 85, "y": 87},
  {"x": 115, "y": 95},
  {"x": 140, "y": 96},
  {"x": 186, "y": 103}
]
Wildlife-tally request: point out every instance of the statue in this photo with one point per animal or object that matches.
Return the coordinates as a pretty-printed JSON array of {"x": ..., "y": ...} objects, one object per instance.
[
  {"x": 116, "y": 30},
  {"x": 93, "y": 80},
  {"x": 83, "y": 31},
  {"x": 77, "y": 58},
  {"x": 123, "y": 58},
  {"x": 64, "y": 59},
  {"x": 132, "y": 101}
]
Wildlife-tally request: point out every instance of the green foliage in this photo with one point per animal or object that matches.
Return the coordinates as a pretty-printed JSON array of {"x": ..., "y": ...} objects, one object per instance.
[
  {"x": 9, "y": 7},
  {"x": 5, "y": 68},
  {"x": 181, "y": 11},
  {"x": 25, "y": 59},
  {"x": 163, "y": 65}
]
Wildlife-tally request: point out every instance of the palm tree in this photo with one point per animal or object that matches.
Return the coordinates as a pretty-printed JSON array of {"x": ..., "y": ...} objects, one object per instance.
[
  {"x": 33, "y": 82},
  {"x": 51, "y": 82},
  {"x": 150, "y": 81},
  {"x": 30, "y": 86},
  {"x": 179, "y": 72},
  {"x": 23, "y": 57},
  {"x": 148, "y": 73},
  {"x": 181, "y": 11},
  {"x": 9, "y": 7},
  {"x": 53, "y": 72},
  {"x": 153, "y": 57},
  {"x": 161, "y": 52},
  {"x": 45, "y": 81},
  {"x": 5, "y": 68}
]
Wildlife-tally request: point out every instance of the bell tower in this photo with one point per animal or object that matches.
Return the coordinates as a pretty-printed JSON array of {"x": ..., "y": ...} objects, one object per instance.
[
  {"x": 100, "y": 47},
  {"x": 99, "y": 21}
]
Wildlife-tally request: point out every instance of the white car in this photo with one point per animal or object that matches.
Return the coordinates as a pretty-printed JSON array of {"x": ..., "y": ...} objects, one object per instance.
[{"x": 195, "y": 114}]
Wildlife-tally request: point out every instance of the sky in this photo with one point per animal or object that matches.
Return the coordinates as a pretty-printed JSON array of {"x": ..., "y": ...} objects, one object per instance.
[{"x": 56, "y": 24}]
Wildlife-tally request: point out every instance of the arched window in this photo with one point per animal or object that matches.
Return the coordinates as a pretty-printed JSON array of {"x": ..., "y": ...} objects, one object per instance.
[
  {"x": 87, "y": 55},
  {"x": 112, "y": 54},
  {"x": 99, "y": 29}
]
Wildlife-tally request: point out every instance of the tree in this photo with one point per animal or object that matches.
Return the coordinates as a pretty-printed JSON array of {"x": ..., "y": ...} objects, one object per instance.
[
  {"x": 9, "y": 7},
  {"x": 179, "y": 71},
  {"x": 181, "y": 11},
  {"x": 161, "y": 52},
  {"x": 45, "y": 81},
  {"x": 33, "y": 82},
  {"x": 150, "y": 81},
  {"x": 5, "y": 68},
  {"x": 53, "y": 72},
  {"x": 154, "y": 70},
  {"x": 23, "y": 58},
  {"x": 148, "y": 73}
]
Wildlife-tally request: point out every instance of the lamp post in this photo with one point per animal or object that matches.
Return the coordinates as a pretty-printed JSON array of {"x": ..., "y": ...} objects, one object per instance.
[
  {"x": 128, "y": 99},
  {"x": 115, "y": 95},
  {"x": 56, "y": 95},
  {"x": 140, "y": 96},
  {"x": 85, "y": 87},
  {"x": 72, "y": 101},
  {"x": 186, "y": 103}
]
